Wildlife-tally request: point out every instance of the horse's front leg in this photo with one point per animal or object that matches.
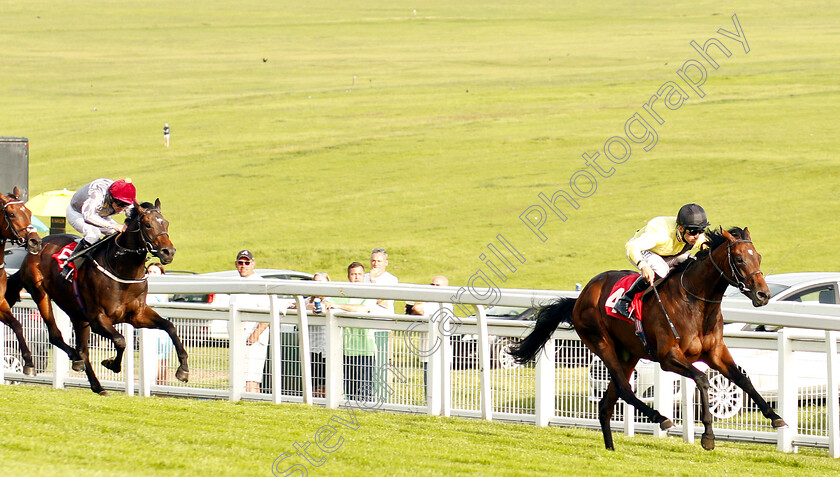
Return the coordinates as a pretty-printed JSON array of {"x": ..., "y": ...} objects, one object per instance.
[
  {"x": 82, "y": 338},
  {"x": 151, "y": 319},
  {"x": 721, "y": 361},
  {"x": 102, "y": 325},
  {"x": 7, "y": 317},
  {"x": 675, "y": 361}
]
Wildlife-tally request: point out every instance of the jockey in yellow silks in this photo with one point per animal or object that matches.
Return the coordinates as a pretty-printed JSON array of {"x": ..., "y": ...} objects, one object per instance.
[{"x": 661, "y": 245}]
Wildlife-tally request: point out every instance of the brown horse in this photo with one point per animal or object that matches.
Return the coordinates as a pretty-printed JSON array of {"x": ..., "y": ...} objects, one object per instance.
[
  {"x": 110, "y": 288},
  {"x": 16, "y": 227},
  {"x": 691, "y": 294}
]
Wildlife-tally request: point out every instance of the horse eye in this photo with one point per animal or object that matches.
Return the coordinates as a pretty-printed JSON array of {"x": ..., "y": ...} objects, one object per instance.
[{"x": 739, "y": 259}]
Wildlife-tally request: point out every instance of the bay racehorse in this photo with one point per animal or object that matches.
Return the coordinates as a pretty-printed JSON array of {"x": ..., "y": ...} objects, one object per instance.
[
  {"x": 691, "y": 295},
  {"x": 110, "y": 288},
  {"x": 16, "y": 227}
]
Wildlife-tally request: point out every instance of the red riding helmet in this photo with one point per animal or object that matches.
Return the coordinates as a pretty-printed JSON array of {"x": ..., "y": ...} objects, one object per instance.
[{"x": 123, "y": 190}]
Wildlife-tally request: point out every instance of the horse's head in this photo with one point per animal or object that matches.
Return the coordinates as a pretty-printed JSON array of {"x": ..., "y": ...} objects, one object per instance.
[
  {"x": 17, "y": 223},
  {"x": 154, "y": 230},
  {"x": 741, "y": 265}
]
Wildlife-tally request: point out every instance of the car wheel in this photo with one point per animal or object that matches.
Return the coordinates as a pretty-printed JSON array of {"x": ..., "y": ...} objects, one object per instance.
[
  {"x": 505, "y": 360},
  {"x": 725, "y": 398},
  {"x": 12, "y": 365}
]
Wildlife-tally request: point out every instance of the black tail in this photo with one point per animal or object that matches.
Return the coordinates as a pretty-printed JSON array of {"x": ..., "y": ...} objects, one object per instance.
[
  {"x": 13, "y": 287},
  {"x": 548, "y": 318}
]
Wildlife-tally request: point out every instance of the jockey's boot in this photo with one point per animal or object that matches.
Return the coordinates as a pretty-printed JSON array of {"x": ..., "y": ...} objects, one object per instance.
[
  {"x": 622, "y": 306},
  {"x": 77, "y": 257}
]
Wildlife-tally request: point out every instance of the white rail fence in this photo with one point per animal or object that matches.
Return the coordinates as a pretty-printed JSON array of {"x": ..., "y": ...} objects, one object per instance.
[{"x": 453, "y": 366}]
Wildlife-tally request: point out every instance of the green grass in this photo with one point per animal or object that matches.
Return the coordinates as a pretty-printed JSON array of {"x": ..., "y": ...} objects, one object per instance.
[
  {"x": 429, "y": 133},
  {"x": 51, "y": 432}
]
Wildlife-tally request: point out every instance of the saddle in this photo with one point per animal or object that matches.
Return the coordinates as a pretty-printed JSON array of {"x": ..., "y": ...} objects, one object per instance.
[{"x": 617, "y": 291}]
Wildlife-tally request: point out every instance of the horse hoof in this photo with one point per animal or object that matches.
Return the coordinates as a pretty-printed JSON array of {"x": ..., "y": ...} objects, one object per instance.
[
  {"x": 112, "y": 365},
  {"x": 666, "y": 424},
  {"x": 78, "y": 366},
  {"x": 29, "y": 370},
  {"x": 103, "y": 393},
  {"x": 779, "y": 424},
  {"x": 183, "y": 376},
  {"x": 708, "y": 443}
]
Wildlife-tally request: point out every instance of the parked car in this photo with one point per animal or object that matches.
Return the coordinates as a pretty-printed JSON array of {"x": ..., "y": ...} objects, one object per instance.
[
  {"x": 217, "y": 330},
  {"x": 726, "y": 399}
]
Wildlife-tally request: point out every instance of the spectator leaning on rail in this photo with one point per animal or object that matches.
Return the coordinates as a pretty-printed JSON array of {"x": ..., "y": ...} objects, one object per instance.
[
  {"x": 90, "y": 211},
  {"x": 661, "y": 245}
]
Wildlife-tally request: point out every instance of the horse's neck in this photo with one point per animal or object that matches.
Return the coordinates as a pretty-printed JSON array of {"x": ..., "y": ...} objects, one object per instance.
[
  {"x": 706, "y": 279},
  {"x": 124, "y": 257}
]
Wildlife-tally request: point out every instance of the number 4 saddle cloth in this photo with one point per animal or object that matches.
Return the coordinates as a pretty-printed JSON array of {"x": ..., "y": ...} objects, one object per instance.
[{"x": 618, "y": 290}]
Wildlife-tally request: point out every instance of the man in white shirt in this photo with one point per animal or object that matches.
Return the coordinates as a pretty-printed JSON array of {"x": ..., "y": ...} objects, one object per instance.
[
  {"x": 379, "y": 274},
  {"x": 256, "y": 334}
]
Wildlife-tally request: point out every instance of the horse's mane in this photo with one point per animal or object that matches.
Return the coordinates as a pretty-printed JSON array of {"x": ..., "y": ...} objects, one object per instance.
[
  {"x": 145, "y": 205},
  {"x": 715, "y": 239}
]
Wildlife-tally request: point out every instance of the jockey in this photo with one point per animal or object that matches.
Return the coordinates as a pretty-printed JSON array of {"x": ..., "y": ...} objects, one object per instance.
[
  {"x": 661, "y": 245},
  {"x": 90, "y": 212}
]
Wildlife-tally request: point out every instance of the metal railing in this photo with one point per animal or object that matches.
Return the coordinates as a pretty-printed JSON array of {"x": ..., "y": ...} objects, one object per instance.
[{"x": 449, "y": 365}]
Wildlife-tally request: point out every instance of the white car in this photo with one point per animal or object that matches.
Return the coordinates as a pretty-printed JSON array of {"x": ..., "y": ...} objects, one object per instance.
[
  {"x": 726, "y": 399},
  {"x": 217, "y": 330}
]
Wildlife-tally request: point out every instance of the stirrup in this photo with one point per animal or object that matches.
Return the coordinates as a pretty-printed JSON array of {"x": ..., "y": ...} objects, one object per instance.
[
  {"x": 622, "y": 307},
  {"x": 66, "y": 273}
]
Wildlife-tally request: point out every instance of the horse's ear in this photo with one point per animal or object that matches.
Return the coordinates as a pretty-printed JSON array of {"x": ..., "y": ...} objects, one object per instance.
[
  {"x": 16, "y": 192},
  {"x": 747, "y": 233},
  {"x": 157, "y": 203},
  {"x": 728, "y": 236}
]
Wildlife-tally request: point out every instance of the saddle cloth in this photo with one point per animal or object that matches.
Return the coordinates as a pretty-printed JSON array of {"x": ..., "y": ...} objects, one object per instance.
[
  {"x": 616, "y": 293},
  {"x": 62, "y": 255}
]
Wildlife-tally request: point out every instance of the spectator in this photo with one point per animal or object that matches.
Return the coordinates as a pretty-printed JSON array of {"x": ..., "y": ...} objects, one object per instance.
[
  {"x": 359, "y": 343},
  {"x": 379, "y": 274},
  {"x": 165, "y": 134},
  {"x": 318, "y": 342},
  {"x": 256, "y": 336},
  {"x": 160, "y": 337}
]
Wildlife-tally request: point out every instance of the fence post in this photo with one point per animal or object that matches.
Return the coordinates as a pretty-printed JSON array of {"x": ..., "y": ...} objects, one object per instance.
[
  {"x": 60, "y": 358},
  {"x": 335, "y": 361},
  {"x": 486, "y": 394},
  {"x": 787, "y": 393},
  {"x": 148, "y": 362},
  {"x": 128, "y": 358},
  {"x": 433, "y": 383},
  {"x": 687, "y": 387},
  {"x": 832, "y": 405},
  {"x": 236, "y": 344},
  {"x": 304, "y": 349},
  {"x": 445, "y": 375},
  {"x": 630, "y": 411},
  {"x": 544, "y": 371},
  {"x": 276, "y": 352}
]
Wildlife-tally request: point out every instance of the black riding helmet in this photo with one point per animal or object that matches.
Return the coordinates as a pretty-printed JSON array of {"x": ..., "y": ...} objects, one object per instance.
[{"x": 692, "y": 216}]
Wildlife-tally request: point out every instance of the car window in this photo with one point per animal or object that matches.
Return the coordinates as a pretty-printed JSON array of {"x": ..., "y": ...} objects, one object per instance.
[
  {"x": 818, "y": 294},
  {"x": 775, "y": 289}
]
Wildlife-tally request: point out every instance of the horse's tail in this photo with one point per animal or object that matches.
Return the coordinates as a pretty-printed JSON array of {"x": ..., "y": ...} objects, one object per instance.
[
  {"x": 548, "y": 318},
  {"x": 13, "y": 287}
]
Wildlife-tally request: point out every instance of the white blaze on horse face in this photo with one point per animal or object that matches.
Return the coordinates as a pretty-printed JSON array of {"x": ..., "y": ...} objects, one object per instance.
[{"x": 751, "y": 252}]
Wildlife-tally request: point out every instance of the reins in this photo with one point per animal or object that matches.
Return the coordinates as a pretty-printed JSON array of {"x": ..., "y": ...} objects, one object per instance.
[{"x": 147, "y": 248}]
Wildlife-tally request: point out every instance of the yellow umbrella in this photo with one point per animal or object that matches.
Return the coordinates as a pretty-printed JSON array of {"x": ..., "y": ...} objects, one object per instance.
[{"x": 50, "y": 204}]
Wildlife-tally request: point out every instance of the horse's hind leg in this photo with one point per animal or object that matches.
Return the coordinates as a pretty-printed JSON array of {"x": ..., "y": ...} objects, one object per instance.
[
  {"x": 7, "y": 317},
  {"x": 620, "y": 373},
  {"x": 45, "y": 307}
]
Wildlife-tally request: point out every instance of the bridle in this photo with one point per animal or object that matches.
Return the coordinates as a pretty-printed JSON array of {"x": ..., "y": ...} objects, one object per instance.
[
  {"x": 15, "y": 234},
  {"x": 148, "y": 242},
  {"x": 738, "y": 280}
]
